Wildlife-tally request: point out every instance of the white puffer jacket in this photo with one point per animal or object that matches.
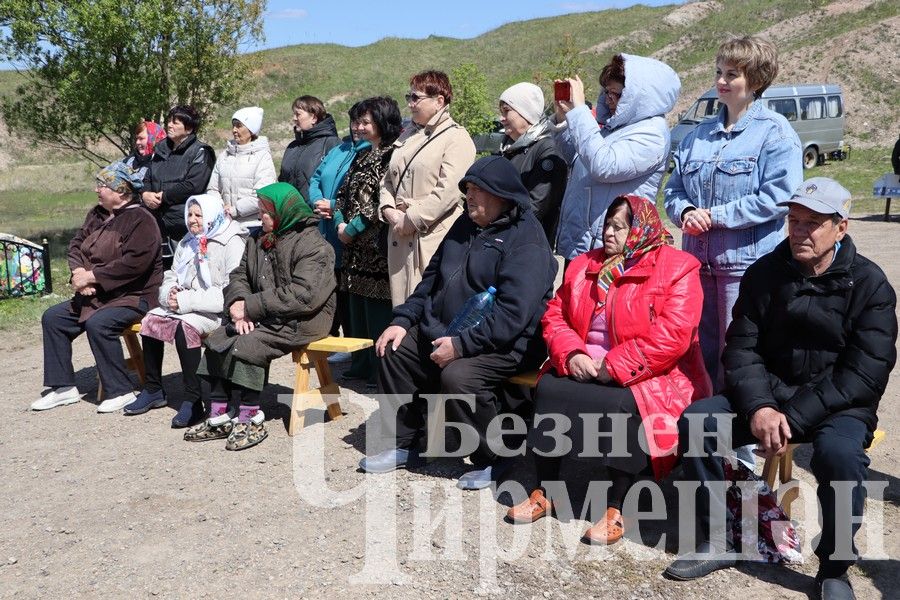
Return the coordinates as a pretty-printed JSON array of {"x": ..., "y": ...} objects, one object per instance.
[{"x": 239, "y": 172}]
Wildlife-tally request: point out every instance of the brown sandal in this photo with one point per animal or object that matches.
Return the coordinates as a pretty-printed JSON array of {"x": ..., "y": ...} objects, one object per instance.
[
  {"x": 607, "y": 530},
  {"x": 537, "y": 506}
]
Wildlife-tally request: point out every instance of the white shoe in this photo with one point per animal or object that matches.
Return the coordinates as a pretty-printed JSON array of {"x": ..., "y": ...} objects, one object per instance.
[
  {"x": 117, "y": 403},
  {"x": 339, "y": 357},
  {"x": 58, "y": 397}
]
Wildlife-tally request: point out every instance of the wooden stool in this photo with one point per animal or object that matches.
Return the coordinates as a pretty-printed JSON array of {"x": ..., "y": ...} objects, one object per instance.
[
  {"x": 135, "y": 360},
  {"x": 315, "y": 356},
  {"x": 783, "y": 467}
]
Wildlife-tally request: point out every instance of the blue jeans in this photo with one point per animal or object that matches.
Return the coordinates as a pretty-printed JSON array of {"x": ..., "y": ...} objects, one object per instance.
[{"x": 720, "y": 292}]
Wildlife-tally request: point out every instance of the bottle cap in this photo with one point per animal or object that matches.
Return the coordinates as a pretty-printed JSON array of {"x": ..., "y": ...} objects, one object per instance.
[{"x": 492, "y": 290}]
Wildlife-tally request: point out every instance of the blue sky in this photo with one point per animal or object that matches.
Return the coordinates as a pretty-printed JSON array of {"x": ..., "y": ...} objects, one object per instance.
[{"x": 357, "y": 23}]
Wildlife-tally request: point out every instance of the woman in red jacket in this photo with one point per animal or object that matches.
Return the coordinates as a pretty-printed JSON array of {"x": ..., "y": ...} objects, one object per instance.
[{"x": 622, "y": 338}]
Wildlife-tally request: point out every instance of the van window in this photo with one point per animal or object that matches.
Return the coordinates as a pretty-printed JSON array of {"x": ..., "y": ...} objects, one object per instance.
[
  {"x": 835, "y": 107},
  {"x": 705, "y": 107},
  {"x": 812, "y": 108},
  {"x": 786, "y": 107}
]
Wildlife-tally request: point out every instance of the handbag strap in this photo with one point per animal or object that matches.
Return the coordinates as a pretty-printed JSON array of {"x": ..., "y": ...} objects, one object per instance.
[{"x": 419, "y": 149}]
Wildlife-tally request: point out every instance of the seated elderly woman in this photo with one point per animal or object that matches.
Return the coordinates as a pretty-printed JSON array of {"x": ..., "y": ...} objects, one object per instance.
[
  {"x": 190, "y": 304},
  {"x": 116, "y": 271},
  {"x": 497, "y": 242},
  {"x": 279, "y": 298},
  {"x": 622, "y": 338}
]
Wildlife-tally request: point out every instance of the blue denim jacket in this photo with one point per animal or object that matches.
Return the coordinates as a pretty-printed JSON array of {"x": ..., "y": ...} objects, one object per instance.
[{"x": 739, "y": 176}]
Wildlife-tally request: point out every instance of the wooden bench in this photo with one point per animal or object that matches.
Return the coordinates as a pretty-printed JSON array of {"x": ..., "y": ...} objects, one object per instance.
[
  {"x": 781, "y": 467},
  {"x": 313, "y": 357},
  {"x": 135, "y": 360}
]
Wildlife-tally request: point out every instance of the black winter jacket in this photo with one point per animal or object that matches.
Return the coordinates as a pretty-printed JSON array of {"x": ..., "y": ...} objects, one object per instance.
[
  {"x": 811, "y": 347},
  {"x": 544, "y": 173},
  {"x": 510, "y": 254},
  {"x": 303, "y": 155},
  {"x": 178, "y": 173}
]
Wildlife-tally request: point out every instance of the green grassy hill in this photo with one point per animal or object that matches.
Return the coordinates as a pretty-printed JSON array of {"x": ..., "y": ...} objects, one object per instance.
[{"x": 852, "y": 42}]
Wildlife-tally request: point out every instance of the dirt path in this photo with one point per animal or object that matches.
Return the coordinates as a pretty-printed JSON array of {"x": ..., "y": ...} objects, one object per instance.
[{"x": 106, "y": 506}]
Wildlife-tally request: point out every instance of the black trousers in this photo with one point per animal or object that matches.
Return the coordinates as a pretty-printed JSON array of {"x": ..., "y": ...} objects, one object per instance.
[
  {"x": 60, "y": 327},
  {"x": 189, "y": 358},
  {"x": 408, "y": 372},
  {"x": 222, "y": 390},
  {"x": 839, "y": 455}
]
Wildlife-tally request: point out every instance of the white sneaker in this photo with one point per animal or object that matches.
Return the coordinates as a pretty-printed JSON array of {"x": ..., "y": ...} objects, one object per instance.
[
  {"x": 117, "y": 403},
  {"x": 57, "y": 397},
  {"x": 339, "y": 357}
]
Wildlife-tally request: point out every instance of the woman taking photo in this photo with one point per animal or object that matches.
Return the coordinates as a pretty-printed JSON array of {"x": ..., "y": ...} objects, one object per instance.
[
  {"x": 730, "y": 173},
  {"x": 243, "y": 167},
  {"x": 626, "y": 154},
  {"x": 376, "y": 123},
  {"x": 190, "y": 304},
  {"x": 622, "y": 339},
  {"x": 279, "y": 298},
  {"x": 116, "y": 272},
  {"x": 529, "y": 146},
  {"x": 420, "y": 197}
]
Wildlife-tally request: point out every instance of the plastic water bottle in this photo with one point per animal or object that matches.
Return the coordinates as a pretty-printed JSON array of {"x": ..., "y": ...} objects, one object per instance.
[{"x": 473, "y": 312}]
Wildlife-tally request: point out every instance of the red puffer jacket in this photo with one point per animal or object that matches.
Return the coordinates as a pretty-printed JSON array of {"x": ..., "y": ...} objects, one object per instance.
[{"x": 653, "y": 311}]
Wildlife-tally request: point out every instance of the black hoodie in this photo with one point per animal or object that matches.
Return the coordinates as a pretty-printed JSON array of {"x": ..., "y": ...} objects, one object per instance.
[
  {"x": 304, "y": 154},
  {"x": 512, "y": 254}
]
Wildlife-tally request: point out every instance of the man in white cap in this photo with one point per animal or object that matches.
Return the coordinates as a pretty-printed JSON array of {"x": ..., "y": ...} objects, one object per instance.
[{"x": 807, "y": 359}]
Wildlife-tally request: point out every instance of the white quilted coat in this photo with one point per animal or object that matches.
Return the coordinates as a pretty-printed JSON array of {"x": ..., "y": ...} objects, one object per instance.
[{"x": 239, "y": 172}]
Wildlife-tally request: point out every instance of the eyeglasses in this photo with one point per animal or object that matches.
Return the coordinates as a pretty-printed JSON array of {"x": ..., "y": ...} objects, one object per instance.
[
  {"x": 414, "y": 98},
  {"x": 614, "y": 95}
]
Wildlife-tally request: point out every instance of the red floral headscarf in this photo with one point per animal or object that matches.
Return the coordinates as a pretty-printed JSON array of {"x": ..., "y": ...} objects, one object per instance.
[
  {"x": 647, "y": 232},
  {"x": 155, "y": 134}
]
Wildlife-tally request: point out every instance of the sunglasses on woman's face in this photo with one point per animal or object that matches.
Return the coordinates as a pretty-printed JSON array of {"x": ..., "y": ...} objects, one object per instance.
[{"x": 415, "y": 98}]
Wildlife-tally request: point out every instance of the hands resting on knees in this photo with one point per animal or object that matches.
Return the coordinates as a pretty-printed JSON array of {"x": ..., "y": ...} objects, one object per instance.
[{"x": 584, "y": 368}]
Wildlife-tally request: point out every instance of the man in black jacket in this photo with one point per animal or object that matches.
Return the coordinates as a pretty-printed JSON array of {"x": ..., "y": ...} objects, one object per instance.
[
  {"x": 807, "y": 359},
  {"x": 179, "y": 168},
  {"x": 497, "y": 242}
]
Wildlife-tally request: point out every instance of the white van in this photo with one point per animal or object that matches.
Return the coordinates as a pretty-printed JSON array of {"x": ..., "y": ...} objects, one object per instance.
[{"x": 815, "y": 111}]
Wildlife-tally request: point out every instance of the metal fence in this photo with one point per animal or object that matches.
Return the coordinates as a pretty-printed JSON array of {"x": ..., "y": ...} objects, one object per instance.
[{"x": 24, "y": 267}]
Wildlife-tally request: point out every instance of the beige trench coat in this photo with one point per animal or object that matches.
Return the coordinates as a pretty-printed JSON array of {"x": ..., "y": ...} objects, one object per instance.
[{"x": 429, "y": 194}]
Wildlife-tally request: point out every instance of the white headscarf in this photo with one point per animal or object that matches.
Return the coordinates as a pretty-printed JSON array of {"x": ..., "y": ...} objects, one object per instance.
[{"x": 214, "y": 222}]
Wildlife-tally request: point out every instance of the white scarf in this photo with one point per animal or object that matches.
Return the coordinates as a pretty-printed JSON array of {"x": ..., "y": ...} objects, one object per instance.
[{"x": 214, "y": 222}]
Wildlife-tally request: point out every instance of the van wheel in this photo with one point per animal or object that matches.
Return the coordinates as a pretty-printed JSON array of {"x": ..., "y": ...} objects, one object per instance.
[{"x": 810, "y": 157}]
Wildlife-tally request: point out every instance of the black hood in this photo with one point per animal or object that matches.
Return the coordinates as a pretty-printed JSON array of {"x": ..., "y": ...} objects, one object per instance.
[
  {"x": 495, "y": 174},
  {"x": 324, "y": 128}
]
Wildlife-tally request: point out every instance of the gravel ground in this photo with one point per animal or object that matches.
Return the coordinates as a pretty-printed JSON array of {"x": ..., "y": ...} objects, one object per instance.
[{"x": 108, "y": 506}]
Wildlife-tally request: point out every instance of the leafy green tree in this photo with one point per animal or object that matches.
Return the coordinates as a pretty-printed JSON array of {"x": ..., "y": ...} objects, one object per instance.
[
  {"x": 94, "y": 68},
  {"x": 471, "y": 106}
]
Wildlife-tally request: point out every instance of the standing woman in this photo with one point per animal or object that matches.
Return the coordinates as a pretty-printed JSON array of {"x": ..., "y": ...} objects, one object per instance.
[
  {"x": 243, "y": 167},
  {"x": 376, "y": 124},
  {"x": 190, "y": 304},
  {"x": 280, "y": 297},
  {"x": 730, "y": 174},
  {"x": 147, "y": 135},
  {"x": 624, "y": 150},
  {"x": 180, "y": 168},
  {"x": 529, "y": 146},
  {"x": 315, "y": 134},
  {"x": 420, "y": 197}
]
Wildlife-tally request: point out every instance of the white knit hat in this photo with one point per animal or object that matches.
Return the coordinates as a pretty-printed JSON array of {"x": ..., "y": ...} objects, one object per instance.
[
  {"x": 251, "y": 117},
  {"x": 526, "y": 99}
]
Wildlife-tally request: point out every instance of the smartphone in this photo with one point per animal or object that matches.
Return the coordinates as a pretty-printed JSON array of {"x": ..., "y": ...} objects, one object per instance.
[{"x": 562, "y": 91}]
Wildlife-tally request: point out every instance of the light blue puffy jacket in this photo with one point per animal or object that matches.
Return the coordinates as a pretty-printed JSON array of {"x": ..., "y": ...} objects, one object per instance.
[
  {"x": 625, "y": 155},
  {"x": 740, "y": 176}
]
